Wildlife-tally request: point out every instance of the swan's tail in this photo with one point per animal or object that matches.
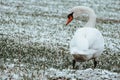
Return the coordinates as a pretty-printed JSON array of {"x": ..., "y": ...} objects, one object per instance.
[{"x": 84, "y": 54}]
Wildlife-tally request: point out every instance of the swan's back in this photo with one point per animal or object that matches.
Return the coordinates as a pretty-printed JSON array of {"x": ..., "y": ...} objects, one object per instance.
[{"x": 87, "y": 41}]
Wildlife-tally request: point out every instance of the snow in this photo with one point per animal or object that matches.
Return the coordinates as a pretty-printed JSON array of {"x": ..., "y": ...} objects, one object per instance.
[
  {"x": 44, "y": 28},
  {"x": 51, "y": 73},
  {"x": 40, "y": 24},
  {"x": 83, "y": 74}
]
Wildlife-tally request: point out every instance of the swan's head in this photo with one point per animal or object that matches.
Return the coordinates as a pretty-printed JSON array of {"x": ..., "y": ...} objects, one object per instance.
[
  {"x": 76, "y": 11},
  {"x": 70, "y": 18},
  {"x": 73, "y": 13}
]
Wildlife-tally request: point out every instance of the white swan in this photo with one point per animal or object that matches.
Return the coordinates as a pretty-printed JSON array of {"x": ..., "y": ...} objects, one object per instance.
[{"x": 87, "y": 42}]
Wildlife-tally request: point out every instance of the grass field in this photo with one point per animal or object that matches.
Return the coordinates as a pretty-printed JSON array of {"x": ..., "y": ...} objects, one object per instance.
[{"x": 33, "y": 35}]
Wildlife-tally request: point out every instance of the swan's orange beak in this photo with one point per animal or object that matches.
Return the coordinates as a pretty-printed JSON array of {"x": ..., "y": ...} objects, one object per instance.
[{"x": 69, "y": 20}]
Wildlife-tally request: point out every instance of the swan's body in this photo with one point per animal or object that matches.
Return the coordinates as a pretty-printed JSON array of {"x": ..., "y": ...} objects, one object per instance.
[{"x": 87, "y": 42}]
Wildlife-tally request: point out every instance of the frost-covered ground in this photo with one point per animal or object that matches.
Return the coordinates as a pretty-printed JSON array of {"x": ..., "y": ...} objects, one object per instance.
[{"x": 34, "y": 39}]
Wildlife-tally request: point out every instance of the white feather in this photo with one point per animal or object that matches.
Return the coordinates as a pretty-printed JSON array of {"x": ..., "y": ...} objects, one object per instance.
[{"x": 87, "y": 41}]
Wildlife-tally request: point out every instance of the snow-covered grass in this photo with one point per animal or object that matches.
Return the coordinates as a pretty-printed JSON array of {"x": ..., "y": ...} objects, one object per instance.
[{"x": 33, "y": 36}]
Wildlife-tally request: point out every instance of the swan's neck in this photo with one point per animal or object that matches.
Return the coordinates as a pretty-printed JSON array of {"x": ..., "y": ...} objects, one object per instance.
[
  {"x": 92, "y": 19},
  {"x": 82, "y": 9}
]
